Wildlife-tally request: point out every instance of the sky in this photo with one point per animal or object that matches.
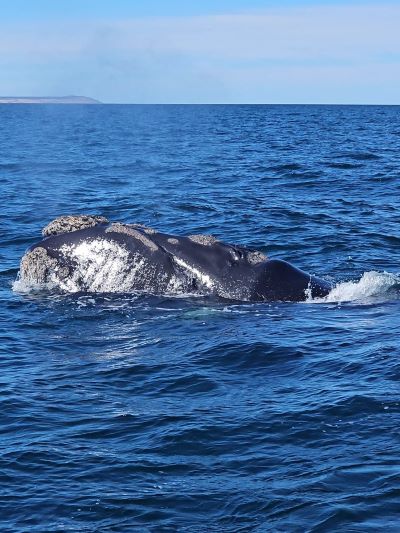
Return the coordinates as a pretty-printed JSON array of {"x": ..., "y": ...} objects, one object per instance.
[{"x": 210, "y": 51}]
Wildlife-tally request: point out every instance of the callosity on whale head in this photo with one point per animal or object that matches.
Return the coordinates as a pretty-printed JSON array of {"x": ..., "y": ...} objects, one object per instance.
[
  {"x": 68, "y": 223},
  {"x": 39, "y": 266}
]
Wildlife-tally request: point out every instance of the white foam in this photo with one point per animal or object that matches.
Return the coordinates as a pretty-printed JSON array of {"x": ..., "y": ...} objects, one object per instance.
[
  {"x": 24, "y": 286},
  {"x": 371, "y": 287}
]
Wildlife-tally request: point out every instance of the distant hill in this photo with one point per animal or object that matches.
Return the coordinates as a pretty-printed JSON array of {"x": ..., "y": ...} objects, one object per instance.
[{"x": 47, "y": 100}]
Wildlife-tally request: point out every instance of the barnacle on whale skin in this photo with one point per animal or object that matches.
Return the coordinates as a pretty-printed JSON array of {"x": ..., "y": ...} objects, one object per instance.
[
  {"x": 205, "y": 240},
  {"x": 38, "y": 267},
  {"x": 68, "y": 223},
  {"x": 130, "y": 229},
  {"x": 255, "y": 257}
]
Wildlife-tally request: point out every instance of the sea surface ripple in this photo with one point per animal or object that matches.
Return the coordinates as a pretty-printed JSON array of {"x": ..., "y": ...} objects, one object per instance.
[{"x": 123, "y": 413}]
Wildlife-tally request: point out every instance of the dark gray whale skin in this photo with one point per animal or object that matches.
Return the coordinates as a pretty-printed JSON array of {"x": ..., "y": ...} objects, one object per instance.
[{"x": 228, "y": 271}]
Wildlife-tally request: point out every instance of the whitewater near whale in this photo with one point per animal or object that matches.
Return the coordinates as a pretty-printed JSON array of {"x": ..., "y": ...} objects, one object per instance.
[{"x": 88, "y": 253}]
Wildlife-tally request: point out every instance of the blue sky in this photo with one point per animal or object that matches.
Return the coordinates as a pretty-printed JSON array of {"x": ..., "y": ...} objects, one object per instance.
[
  {"x": 59, "y": 9},
  {"x": 219, "y": 51}
]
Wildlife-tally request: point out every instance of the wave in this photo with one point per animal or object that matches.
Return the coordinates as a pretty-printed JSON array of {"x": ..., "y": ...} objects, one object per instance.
[{"x": 372, "y": 287}]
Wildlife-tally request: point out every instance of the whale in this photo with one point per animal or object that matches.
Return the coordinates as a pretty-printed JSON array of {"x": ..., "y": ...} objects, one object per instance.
[{"x": 88, "y": 253}]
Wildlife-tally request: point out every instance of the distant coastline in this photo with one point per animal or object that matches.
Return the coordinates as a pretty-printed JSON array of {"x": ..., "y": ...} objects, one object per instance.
[{"x": 48, "y": 100}]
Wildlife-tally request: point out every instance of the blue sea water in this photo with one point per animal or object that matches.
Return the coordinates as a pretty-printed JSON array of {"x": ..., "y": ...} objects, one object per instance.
[{"x": 124, "y": 413}]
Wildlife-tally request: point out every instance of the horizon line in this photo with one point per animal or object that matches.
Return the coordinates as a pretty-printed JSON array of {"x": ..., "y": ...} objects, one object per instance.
[{"x": 99, "y": 102}]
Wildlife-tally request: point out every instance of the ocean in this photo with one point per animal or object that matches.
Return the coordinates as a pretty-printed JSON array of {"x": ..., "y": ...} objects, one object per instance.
[{"x": 134, "y": 412}]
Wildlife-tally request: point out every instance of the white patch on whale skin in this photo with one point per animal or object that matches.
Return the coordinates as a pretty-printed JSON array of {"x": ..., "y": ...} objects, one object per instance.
[
  {"x": 106, "y": 266},
  {"x": 177, "y": 285},
  {"x": 203, "y": 278},
  {"x": 226, "y": 289},
  {"x": 103, "y": 266}
]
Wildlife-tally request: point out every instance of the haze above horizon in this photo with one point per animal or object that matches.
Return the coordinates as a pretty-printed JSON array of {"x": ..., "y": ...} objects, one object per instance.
[{"x": 212, "y": 52}]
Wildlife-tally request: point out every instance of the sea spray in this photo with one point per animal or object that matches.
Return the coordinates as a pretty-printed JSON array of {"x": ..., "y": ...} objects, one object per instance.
[{"x": 373, "y": 286}]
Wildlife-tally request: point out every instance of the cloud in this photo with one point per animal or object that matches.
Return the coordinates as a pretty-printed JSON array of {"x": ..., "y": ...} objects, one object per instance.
[{"x": 314, "y": 53}]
